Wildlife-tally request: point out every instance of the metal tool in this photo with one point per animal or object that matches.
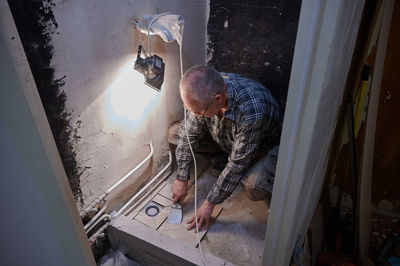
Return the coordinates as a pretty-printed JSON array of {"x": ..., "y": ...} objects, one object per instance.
[{"x": 175, "y": 214}]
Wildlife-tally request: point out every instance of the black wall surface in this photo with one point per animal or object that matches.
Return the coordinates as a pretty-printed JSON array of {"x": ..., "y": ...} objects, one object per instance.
[{"x": 258, "y": 41}]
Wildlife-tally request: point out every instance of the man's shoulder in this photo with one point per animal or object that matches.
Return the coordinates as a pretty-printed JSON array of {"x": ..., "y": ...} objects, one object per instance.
[
  {"x": 252, "y": 100},
  {"x": 251, "y": 94},
  {"x": 242, "y": 85},
  {"x": 236, "y": 77}
]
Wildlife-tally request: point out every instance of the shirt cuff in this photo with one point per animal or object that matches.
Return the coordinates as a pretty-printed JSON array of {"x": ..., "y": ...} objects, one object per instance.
[
  {"x": 183, "y": 174},
  {"x": 215, "y": 196},
  {"x": 183, "y": 178}
]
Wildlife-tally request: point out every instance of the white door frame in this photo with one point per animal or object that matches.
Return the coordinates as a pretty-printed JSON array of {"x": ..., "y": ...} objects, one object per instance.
[{"x": 325, "y": 42}]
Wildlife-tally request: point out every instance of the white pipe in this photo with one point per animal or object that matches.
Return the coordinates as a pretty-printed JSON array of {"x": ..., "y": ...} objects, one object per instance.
[
  {"x": 134, "y": 196},
  {"x": 144, "y": 188},
  {"x": 95, "y": 217},
  {"x": 98, "y": 232},
  {"x": 99, "y": 199},
  {"x": 133, "y": 170},
  {"x": 98, "y": 221}
]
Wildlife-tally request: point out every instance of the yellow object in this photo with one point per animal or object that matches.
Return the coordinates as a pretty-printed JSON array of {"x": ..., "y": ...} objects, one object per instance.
[{"x": 361, "y": 99}]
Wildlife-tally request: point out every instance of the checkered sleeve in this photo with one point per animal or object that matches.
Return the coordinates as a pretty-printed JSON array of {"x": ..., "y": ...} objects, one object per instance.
[
  {"x": 194, "y": 125},
  {"x": 243, "y": 151}
]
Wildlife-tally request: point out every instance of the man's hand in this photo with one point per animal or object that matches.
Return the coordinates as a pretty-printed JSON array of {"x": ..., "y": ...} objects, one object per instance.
[
  {"x": 203, "y": 216},
  {"x": 179, "y": 190}
]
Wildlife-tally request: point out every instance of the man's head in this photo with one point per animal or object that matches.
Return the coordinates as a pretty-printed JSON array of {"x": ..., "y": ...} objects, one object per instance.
[{"x": 203, "y": 90}]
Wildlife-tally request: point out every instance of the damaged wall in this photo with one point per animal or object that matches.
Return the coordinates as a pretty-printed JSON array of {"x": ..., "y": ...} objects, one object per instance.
[
  {"x": 108, "y": 115},
  {"x": 255, "y": 39},
  {"x": 33, "y": 20},
  {"x": 386, "y": 150},
  {"x": 386, "y": 169},
  {"x": 40, "y": 225}
]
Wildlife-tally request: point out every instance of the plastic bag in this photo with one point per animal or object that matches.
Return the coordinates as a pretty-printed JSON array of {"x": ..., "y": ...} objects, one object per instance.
[
  {"x": 169, "y": 26},
  {"x": 116, "y": 258}
]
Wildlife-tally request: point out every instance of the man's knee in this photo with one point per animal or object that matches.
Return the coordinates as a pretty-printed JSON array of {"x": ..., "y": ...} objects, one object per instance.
[
  {"x": 253, "y": 193},
  {"x": 253, "y": 182},
  {"x": 207, "y": 144},
  {"x": 173, "y": 132},
  {"x": 259, "y": 179}
]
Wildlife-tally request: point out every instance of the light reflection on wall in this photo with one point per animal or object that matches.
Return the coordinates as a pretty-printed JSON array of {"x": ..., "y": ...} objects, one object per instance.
[{"x": 129, "y": 100}]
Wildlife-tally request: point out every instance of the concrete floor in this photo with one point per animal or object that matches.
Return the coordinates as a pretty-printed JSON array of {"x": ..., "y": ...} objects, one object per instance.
[{"x": 237, "y": 233}]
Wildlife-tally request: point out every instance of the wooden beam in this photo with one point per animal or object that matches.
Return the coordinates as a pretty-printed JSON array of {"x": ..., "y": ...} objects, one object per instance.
[{"x": 368, "y": 150}]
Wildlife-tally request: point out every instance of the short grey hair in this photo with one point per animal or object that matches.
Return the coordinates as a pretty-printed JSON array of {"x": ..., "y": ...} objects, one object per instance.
[{"x": 203, "y": 87}]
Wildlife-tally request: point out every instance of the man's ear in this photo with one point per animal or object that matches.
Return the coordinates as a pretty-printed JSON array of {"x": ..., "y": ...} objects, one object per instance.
[{"x": 218, "y": 97}]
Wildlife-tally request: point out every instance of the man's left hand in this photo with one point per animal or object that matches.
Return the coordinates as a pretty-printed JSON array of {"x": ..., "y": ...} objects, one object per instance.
[{"x": 203, "y": 217}]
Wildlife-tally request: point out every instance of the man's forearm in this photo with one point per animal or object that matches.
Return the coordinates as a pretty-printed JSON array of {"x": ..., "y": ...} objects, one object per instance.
[
  {"x": 183, "y": 160},
  {"x": 209, "y": 204},
  {"x": 183, "y": 154},
  {"x": 240, "y": 159}
]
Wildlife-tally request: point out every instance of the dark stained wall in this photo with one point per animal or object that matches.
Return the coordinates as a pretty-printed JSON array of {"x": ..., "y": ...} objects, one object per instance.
[
  {"x": 32, "y": 19},
  {"x": 256, "y": 39}
]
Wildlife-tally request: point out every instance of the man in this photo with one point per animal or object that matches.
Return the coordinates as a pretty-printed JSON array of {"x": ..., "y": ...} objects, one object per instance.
[{"x": 243, "y": 118}]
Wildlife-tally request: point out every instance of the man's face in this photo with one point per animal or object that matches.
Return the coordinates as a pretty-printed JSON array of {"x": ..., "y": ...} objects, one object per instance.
[
  {"x": 208, "y": 109},
  {"x": 196, "y": 108}
]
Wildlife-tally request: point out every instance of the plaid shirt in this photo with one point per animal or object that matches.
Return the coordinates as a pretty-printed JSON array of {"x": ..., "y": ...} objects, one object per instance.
[{"x": 251, "y": 123}]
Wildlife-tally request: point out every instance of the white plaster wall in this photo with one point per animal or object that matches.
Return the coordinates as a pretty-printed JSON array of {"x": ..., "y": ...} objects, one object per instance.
[{"x": 116, "y": 116}]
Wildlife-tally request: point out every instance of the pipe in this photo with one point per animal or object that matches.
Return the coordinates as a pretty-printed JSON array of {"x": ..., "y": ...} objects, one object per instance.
[
  {"x": 93, "y": 205},
  {"x": 95, "y": 217},
  {"x": 98, "y": 221},
  {"x": 98, "y": 232},
  {"x": 144, "y": 188},
  {"x": 133, "y": 170},
  {"x": 101, "y": 198}
]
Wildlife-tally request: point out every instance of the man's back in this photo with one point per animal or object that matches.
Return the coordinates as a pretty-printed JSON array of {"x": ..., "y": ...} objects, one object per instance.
[{"x": 249, "y": 103}]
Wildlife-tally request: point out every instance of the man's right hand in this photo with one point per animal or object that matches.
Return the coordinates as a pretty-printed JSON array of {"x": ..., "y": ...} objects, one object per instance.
[{"x": 179, "y": 190}]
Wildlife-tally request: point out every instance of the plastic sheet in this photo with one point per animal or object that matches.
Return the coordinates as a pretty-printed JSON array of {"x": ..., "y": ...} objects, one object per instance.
[
  {"x": 169, "y": 26},
  {"x": 116, "y": 258}
]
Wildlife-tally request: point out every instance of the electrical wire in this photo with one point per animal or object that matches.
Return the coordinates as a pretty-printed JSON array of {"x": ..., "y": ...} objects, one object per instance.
[
  {"x": 187, "y": 134},
  {"x": 195, "y": 168},
  {"x": 180, "y": 57},
  {"x": 195, "y": 190}
]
